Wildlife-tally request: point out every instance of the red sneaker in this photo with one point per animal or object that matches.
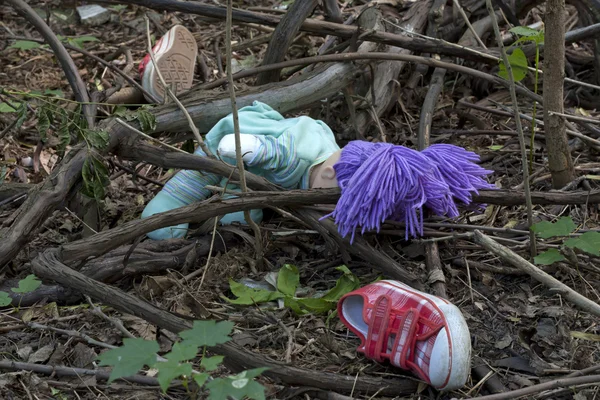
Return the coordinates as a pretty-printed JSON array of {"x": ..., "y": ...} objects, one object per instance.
[
  {"x": 175, "y": 54},
  {"x": 413, "y": 330}
]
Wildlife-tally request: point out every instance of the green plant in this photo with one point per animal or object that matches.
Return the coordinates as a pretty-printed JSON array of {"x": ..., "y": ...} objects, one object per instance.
[
  {"x": 137, "y": 353},
  {"x": 26, "y": 285},
  {"x": 288, "y": 281},
  {"x": 518, "y": 62},
  {"x": 589, "y": 242},
  {"x": 54, "y": 119}
]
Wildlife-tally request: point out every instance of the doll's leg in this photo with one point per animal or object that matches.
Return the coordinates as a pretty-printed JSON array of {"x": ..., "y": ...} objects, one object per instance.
[
  {"x": 185, "y": 188},
  {"x": 256, "y": 215}
]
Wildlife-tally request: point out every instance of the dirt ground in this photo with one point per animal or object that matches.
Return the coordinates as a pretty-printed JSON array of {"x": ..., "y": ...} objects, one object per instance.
[{"x": 522, "y": 333}]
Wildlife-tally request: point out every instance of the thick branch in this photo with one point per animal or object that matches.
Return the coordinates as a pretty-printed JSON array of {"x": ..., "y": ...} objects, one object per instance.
[{"x": 283, "y": 36}]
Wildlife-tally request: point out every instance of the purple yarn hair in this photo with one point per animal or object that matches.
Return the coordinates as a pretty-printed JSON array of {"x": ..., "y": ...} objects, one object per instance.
[{"x": 381, "y": 181}]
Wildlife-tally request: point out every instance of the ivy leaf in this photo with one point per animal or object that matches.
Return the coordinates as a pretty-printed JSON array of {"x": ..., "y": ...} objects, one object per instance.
[
  {"x": 211, "y": 363},
  {"x": 345, "y": 284},
  {"x": 588, "y": 242},
  {"x": 288, "y": 279},
  {"x": 200, "y": 378},
  {"x": 5, "y": 299},
  {"x": 546, "y": 229},
  {"x": 97, "y": 138},
  {"x": 146, "y": 119},
  {"x": 27, "y": 285},
  {"x": 237, "y": 386},
  {"x": 24, "y": 45},
  {"x": 207, "y": 333},
  {"x": 518, "y": 62},
  {"x": 548, "y": 257},
  {"x": 524, "y": 31},
  {"x": 129, "y": 358},
  {"x": 182, "y": 351},
  {"x": 248, "y": 296},
  {"x": 169, "y": 370}
]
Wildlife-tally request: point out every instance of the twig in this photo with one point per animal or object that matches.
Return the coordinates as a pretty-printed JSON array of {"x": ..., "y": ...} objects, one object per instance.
[
  {"x": 101, "y": 375},
  {"x": 191, "y": 124},
  {"x": 466, "y": 19},
  {"x": 66, "y": 62},
  {"x": 558, "y": 383},
  {"x": 117, "y": 323},
  {"x": 513, "y": 95},
  {"x": 513, "y": 258},
  {"x": 131, "y": 128},
  {"x": 236, "y": 130},
  {"x": 576, "y": 117}
]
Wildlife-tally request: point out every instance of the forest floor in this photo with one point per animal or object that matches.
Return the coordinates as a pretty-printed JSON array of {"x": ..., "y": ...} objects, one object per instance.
[{"x": 522, "y": 333}]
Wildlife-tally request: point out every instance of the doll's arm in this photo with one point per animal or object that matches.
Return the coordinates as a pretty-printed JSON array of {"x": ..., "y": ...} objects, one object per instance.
[{"x": 277, "y": 157}]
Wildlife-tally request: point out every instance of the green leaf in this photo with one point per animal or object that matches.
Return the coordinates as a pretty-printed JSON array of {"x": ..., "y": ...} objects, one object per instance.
[
  {"x": 27, "y": 285},
  {"x": 64, "y": 132},
  {"x": 208, "y": 333},
  {"x": 54, "y": 92},
  {"x": 79, "y": 41},
  {"x": 97, "y": 138},
  {"x": 169, "y": 370},
  {"x": 548, "y": 257},
  {"x": 45, "y": 117},
  {"x": 118, "y": 7},
  {"x": 518, "y": 62},
  {"x": 200, "y": 378},
  {"x": 586, "y": 336},
  {"x": 248, "y": 296},
  {"x": 146, "y": 119},
  {"x": 129, "y": 358},
  {"x": 8, "y": 107},
  {"x": 288, "y": 279},
  {"x": 24, "y": 45},
  {"x": 182, "y": 351},
  {"x": 546, "y": 229},
  {"x": 95, "y": 178},
  {"x": 21, "y": 115},
  {"x": 524, "y": 31},
  {"x": 5, "y": 299},
  {"x": 496, "y": 147},
  {"x": 211, "y": 363},
  {"x": 588, "y": 242},
  {"x": 311, "y": 305},
  {"x": 345, "y": 284},
  {"x": 237, "y": 386},
  {"x": 120, "y": 111}
]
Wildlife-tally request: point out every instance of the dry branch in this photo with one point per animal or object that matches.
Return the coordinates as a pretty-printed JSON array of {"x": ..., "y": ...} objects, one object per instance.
[
  {"x": 283, "y": 36},
  {"x": 65, "y": 60},
  {"x": 513, "y": 258}
]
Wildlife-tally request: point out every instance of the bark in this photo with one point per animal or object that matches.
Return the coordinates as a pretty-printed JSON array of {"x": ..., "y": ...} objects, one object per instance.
[
  {"x": 283, "y": 36},
  {"x": 559, "y": 156}
]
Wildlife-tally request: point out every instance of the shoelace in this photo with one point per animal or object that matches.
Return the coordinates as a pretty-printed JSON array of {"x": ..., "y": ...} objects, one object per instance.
[{"x": 381, "y": 328}]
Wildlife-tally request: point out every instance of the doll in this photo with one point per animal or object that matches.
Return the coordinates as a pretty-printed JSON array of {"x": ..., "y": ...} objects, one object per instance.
[{"x": 378, "y": 181}]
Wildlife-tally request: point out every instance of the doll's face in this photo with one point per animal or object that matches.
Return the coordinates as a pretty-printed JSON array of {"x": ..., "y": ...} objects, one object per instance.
[{"x": 323, "y": 175}]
